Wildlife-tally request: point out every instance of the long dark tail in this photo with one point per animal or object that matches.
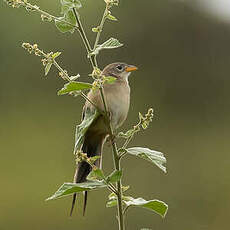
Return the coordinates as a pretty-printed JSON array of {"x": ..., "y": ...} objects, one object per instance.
[{"x": 93, "y": 147}]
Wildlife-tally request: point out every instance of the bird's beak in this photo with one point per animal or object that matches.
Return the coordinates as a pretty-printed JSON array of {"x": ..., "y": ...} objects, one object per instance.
[{"x": 131, "y": 68}]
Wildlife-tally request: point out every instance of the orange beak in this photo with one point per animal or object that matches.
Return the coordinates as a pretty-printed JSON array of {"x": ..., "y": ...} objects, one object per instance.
[{"x": 131, "y": 68}]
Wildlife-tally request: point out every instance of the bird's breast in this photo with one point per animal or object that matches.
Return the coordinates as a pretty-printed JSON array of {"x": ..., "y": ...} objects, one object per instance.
[
  {"x": 118, "y": 100},
  {"x": 117, "y": 97}
]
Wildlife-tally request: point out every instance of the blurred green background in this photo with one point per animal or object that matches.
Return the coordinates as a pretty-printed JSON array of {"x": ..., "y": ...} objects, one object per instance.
[{"x": 183, "y": 57}]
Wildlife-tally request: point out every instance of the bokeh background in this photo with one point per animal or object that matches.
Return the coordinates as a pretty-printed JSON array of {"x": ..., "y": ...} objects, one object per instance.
[{"x": 183, "y": 53}]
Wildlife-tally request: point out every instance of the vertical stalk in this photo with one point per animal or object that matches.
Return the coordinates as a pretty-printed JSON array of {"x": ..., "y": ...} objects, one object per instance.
[
  {"x": 119, "y": 186},
  {"x": 117, "y": 166},
  {"x": 99, "y": 32},
  {"x": 116, "y": 158},
  {"x": 84, "y": 38},
  {"x": 101, "y": 26}
]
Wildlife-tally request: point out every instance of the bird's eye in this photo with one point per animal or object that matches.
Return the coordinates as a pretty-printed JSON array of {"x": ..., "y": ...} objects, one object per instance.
[{"x": 119, "y": 67}]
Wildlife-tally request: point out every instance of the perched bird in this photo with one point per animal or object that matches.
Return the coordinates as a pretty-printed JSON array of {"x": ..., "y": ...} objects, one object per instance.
[{"x": 117, "y": 96}]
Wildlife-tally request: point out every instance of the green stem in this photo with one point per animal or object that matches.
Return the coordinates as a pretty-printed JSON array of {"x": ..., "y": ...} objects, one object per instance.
[
  {"x": 84, "y": 38},
  {"x": 99, "y": 32},
  {"x": 111, "y": 132},
  {"x": 61, "y": 70},
  {"x": 135, "y": 129},
  {"x": 101, "y": 27},
  {"x": 127, "y": 141},
  {"x": 116, "y": 160}
]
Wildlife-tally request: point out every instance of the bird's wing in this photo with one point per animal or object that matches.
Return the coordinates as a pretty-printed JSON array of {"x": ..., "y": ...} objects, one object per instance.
[{"x": 89, "y": 115}]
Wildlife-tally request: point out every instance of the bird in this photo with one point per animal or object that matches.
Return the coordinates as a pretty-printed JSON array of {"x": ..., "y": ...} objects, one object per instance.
[{"x": 117, "y": 97}]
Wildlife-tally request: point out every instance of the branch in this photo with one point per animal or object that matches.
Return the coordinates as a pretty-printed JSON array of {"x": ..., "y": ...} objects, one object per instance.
[
  {"x": 100, "y": 28},
  {"x": 116, "y": 160},
  {"x": 42, "y": 12},
  {"x": 84, "y": 38}
]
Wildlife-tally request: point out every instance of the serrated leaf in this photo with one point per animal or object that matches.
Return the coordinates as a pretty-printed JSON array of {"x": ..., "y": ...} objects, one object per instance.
[
  {"x": 152, "y": 156},
  {"x": 156, "y": 206},
  {"x": 111, "y": 17},
  {"x": 114, "y": 176},
  {"x": 74, "y": 86},
  {"x": 65, "y": 27},
  {"x": 70, "y": 188},
  {"x": 112, "y": 43},
  {"x": 47, "y": 67}
]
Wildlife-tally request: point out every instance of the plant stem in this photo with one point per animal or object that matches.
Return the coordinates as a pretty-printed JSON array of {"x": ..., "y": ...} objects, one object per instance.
[
  {"x": 99, "y": 32},
  {"x": 61, "y": 70},
  {"x": 111, "y": 132},
  {"x": 84, "y": 38},
  {"x": 127, "y": 141},
  {"x": 101, "y": 27},
  {"x": 116, "y": 160},
  {"x": 119, "y": 186}
]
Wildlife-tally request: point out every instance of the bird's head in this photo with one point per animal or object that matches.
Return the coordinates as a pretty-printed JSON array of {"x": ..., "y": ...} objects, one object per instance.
[{"x": 119, "y": 70}]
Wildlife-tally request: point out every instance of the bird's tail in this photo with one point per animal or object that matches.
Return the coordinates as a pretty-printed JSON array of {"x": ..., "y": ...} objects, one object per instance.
[{"x": 93, "y": 147}]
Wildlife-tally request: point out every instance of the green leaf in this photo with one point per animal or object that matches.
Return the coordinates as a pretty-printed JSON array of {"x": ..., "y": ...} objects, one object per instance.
[
  {"x": 112, "y": 196},
  {"x": 110, "y": 80},
  {"x": 156, "y": 206},
  {"x": 112, "y": 200},
  {"x": 70, "y": 188},
  {"x": 47, "y": 68},
  {"x": 96, "y": 174},
  {"x": 89, "y": 118},
  {"x": 65, "y": 27},
  {"x": 112, "y": 43},
  {"x": 152, "y": 156},
  {"x": 146, "y": 229},
  {"x": 111, "y": 203},
  {"x": 111, "y": 17},
  {"x": 74, "y": 86},
  {"x": 114, "y": 176}
]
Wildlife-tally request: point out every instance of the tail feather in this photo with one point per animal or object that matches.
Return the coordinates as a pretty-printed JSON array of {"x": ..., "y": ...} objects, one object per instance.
[
  {"x": 85, "y": 202},
  {"x": 92, "y": 146},
  {"x": 73, "y": 203}
]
